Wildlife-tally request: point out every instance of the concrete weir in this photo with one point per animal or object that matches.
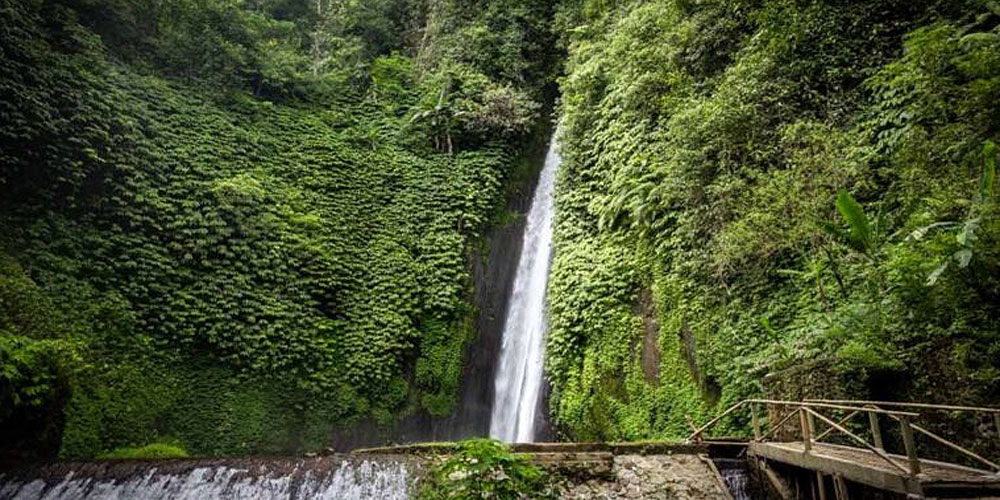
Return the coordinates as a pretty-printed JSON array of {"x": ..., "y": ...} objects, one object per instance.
[{"x": 609, "y": 470}]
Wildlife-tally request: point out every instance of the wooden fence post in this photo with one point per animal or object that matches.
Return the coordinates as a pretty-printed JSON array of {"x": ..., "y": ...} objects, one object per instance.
[
  {"x": 756, "y": 423},
  {"x": 820, "y": 486},
  {"x": 812, "y": 424},
  {"x": 876, "y": 430},
  {"x": 806, "y": 435},
  {"x": 996, "y": 423},
  {"x": 910, "y": 444}
]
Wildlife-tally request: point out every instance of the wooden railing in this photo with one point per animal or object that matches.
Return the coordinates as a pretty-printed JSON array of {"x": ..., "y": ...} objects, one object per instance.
[{"x": 808, "y": 413}]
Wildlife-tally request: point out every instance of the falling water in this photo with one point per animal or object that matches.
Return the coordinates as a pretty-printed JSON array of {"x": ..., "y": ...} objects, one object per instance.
[
  {"x": 737, "y": 483},
  {"x": 518, "y": 379},
  {"x": 736, "y": 475},
  {"x": 347, "y": 481}
]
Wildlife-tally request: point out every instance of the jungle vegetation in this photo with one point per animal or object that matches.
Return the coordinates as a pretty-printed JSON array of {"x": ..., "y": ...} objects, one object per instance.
[
  {"x": 234, "y": 225},
  {"x": 230, "y": 226},
  {"x": 790, "y": 197}
]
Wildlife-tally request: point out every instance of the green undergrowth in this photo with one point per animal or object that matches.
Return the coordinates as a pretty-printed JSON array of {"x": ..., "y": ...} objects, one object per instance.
[
  {"x": 483, "y": 468},
  {"x": 154, "y": 450},
  {"x": 704, "y": 147},
  {"x": 241, "y": 255}
]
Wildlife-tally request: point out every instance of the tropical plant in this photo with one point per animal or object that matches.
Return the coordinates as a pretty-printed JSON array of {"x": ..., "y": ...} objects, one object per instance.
[
  {"x": 485, "y": 468},
  {"x": 966, "y": 236}
]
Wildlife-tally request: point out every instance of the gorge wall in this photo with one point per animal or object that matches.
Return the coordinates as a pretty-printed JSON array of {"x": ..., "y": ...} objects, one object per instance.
[
  {"x": 271, "y": 226},
  {"x": 247, "y": 254},
  {"x": 792, "y": 183}
]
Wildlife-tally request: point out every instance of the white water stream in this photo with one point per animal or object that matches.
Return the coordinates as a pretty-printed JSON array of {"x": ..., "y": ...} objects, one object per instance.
[
  {"x": 518, "y": 380},
  {"x": 349, "y": 481}
]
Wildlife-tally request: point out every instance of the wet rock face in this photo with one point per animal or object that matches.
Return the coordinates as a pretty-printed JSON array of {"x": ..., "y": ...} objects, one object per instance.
[{"x": 666, "y": 477}]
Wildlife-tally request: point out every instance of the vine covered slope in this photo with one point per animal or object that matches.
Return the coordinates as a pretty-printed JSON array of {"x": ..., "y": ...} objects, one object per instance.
[
  {"x": 236, "y": 226},
  {"x": 753, "y": 187}
]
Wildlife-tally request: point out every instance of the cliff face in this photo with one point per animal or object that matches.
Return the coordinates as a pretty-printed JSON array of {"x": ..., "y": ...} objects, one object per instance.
[
  {"x": 492, "y": 268},
  {"x": 239, "y": 255},
  {"x": 788, "y": 181}
]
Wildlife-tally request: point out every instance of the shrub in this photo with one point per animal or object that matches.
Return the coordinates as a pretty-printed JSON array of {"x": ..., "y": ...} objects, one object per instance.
[
  {"x": 152, "y": 450},
  {"x": 485, "y": 468}
]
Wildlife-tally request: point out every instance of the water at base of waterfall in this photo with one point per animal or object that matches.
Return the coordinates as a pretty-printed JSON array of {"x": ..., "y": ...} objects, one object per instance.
[
  {"x": 346, "y": 481},
  {"x": 518, "y": 379},
  {"x": 736, "y": 474}
]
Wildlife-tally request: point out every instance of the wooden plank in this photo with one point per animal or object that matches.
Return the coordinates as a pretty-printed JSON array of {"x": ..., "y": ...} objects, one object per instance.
[
  {"x": 718, "y": 476},
  {"x": 840, "y": 487},
  {"x": 899, "y": 404},
  {"x": 792, "y": 454},
  {"x": 876, "y": 430},
  {"x": 777, "y": 482},
  {"x": 910, "y": 445},
  {"x": 834, "y": 406}
]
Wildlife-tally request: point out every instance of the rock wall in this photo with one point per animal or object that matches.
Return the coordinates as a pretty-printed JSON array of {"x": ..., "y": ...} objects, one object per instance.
[
  {"x": 681, "y": 477},
  {"x": 581, "y": 471}
]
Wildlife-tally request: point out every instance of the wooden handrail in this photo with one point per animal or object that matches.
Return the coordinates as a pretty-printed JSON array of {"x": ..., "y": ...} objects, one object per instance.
[
  {"x": 925, "y": 406},
  {"x": 953, "y": 446},
  {"x": 834, "y": 406},
  {"x": 696, "y": 434},
  {"x": 778, "y": 425},
  {"x": 698, "y": 431},
  {"x": 883, "y": 455},
  {"x": 807, "y": 411},
  {"x": 841, "y": 422}
]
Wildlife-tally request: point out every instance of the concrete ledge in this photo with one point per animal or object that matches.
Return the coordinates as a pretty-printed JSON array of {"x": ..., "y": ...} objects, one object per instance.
[{"x": 642, "y": 448}]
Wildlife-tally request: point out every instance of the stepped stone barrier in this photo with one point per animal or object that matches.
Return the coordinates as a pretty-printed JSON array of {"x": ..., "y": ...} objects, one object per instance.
[{"x": 610, "y": 471}]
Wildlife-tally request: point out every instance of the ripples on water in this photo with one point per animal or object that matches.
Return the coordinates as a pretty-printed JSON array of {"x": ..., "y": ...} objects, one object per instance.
[{"x": 347, "y": 481}]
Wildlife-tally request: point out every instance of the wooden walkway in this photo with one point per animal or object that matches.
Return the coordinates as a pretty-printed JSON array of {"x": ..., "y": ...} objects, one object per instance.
[
  {"x": 936, "y": 479},
  {"x": 792, "y": 433}
]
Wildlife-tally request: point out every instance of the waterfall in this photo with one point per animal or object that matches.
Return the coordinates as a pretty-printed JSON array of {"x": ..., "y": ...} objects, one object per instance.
[
  {"x": 736, "y": 476},
  {"x": 518, "y": 380},
  {"x": 366, "y": 480}
]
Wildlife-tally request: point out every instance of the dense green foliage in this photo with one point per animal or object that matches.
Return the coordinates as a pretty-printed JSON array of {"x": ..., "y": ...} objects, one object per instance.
[
  {"x": 704, "y": 147},
  {"x": 236, "y": 225},
  {"x": 483, "y": 468},
  {"x": 233, "y": 225},
  {"x": 153, "y": 450}
]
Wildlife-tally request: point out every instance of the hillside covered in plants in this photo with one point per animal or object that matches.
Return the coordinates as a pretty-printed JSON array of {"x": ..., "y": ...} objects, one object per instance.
[
  {"x": 235, "y": 227},
  {"x": 800, "y": 189}
]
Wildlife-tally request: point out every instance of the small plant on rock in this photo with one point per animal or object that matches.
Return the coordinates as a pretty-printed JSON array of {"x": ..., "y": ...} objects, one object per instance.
[{"x": 485, "y": 468}]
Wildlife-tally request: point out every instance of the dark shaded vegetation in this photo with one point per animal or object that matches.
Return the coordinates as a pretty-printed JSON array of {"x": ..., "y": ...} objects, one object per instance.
[
  {"x": 705, "y": 144},
  {"x": 234, "y": 226}
]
